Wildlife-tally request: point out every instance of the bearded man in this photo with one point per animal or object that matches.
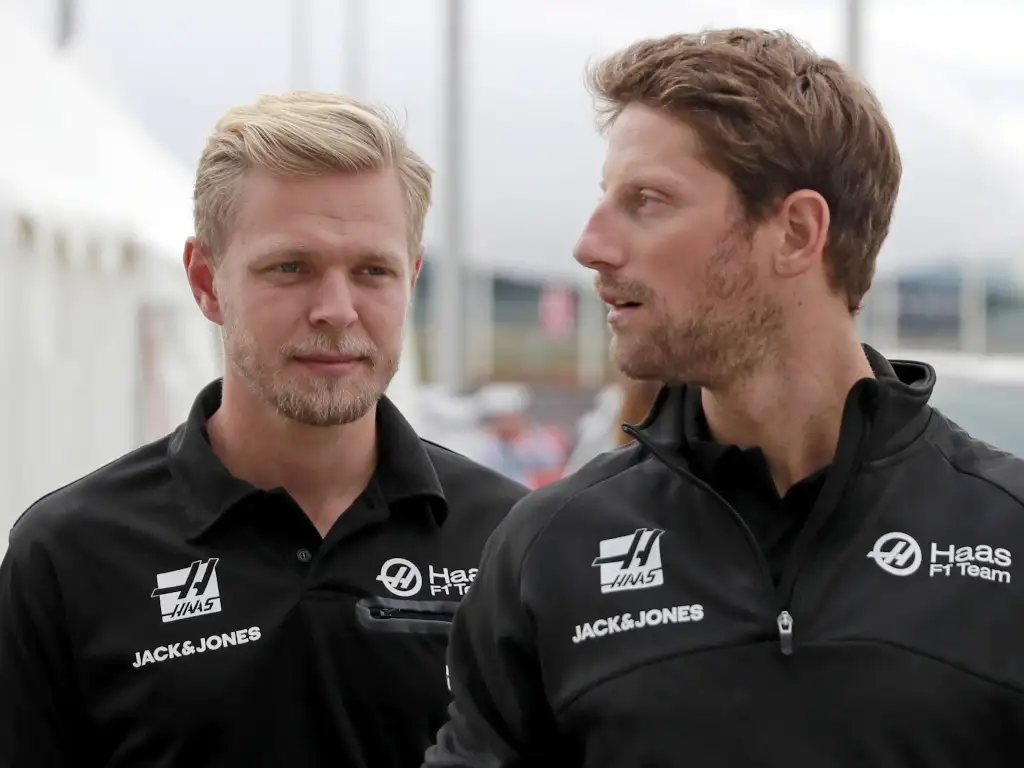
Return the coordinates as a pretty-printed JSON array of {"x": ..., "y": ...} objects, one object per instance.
[
  {"x": 798, "y": 560},
  {"x": 273, "y": 583}
]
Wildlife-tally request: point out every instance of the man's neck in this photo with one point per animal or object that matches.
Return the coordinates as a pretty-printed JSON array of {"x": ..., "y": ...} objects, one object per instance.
[
  {"x": 323, "y": 468},
  {"x": 792, "y": 407}
]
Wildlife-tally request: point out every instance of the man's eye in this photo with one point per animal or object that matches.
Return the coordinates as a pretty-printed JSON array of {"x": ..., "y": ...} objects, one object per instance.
[{"x": 290, "y": 267}]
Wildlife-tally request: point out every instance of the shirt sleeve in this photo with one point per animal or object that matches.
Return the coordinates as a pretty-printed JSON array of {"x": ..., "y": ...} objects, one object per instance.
[
  {"x": 42, "y": 720},
  {"x": 500, "y": 716}
]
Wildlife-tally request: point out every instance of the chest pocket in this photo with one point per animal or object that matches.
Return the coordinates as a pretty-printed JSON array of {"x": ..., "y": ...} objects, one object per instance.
[{"x": 418, "y": 617}]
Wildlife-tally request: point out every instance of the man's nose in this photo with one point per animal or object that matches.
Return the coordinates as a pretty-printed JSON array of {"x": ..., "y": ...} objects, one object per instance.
[
  {"x": 334, "y": 303},
  {"x": 597, "y": 248}
]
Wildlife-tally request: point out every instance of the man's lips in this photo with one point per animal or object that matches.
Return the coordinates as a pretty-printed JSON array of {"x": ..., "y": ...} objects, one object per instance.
[
  {"x": 619, "y": 307},
  {"x": 329, "y": 365},
  {"x": 327, "y": 359},
  {"x": 617, "y": 301}
]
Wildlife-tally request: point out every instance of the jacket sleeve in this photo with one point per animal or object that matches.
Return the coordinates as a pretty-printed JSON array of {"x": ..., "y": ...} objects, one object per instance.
[
  {"x": 500, "y": 716},
  {"x": 41, "y": 723}
]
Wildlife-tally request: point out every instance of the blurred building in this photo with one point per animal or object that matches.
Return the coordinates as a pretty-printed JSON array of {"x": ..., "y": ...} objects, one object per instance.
[
  {"x": 971, "y": 305},
  {"x": 523, "y": 328}
]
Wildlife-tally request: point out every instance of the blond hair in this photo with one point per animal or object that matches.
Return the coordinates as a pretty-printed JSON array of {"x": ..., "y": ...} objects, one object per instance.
[{"x": 299, "y": 134}]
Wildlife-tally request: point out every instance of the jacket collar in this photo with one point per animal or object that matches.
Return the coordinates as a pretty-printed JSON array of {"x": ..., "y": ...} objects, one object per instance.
[{"x": 894, "y": 402}]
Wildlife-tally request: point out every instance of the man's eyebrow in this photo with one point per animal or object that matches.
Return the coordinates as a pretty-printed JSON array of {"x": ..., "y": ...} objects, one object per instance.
[
  {"x": 285, "y": 252},
  {"x": 305, "y": 252},
  {"x": 376, "y": 254},
  {"x": 640, "y": 180}
]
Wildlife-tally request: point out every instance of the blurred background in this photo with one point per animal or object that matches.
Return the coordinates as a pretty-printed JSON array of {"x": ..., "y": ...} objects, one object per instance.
[{"x": 107, "y": 104}]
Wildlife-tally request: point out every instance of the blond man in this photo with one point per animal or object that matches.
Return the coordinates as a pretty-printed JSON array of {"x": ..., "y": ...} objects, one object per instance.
[{"x": 271, "y": 584}]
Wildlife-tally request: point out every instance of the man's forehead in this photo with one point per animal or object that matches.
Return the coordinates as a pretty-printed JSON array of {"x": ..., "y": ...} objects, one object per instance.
[
  {"x": 644, "y": 141},
  {"x": 648, "y": 126},
  {"x": 306, "y": 223},
  {"x": 372, "y": 194}
]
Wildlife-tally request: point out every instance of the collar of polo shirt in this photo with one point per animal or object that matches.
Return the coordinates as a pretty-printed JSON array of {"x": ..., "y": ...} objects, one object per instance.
[{"x": 404, "y": 471}]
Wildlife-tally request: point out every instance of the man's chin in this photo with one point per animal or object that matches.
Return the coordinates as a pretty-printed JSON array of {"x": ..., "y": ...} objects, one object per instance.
[
  {"x": 320, "y": 414},
  {"x": 637, "y": 364},
  {"x": 322, "y": 421},
  {"x": 320, "y": 404}
]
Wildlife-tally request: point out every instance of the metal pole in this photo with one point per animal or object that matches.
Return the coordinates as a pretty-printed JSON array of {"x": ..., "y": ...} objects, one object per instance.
[
  {"x": 301, "y": 44},
  {"x": 852, "y": 27},
  {"x": 355, "y": 47},
  {"x": 854, "y": 35},
  {"x": 480, "y": 324},
  {"x": 449, "y": 334},
  {"x": 974, "y": 305},
  {"x": 66, "y": 18},
  {"x": 881, "y": 316}
]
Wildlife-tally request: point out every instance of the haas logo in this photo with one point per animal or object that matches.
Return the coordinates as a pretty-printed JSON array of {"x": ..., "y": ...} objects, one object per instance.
[
  {"x": 188, "y": 592},
  {"x": 401, "y": 577},
  {"x": 631, "y": 562},
  {"x": 897, "y": 553}
]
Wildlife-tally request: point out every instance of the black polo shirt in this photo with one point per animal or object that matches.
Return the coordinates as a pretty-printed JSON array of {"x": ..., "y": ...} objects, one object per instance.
[{"x": 160, "y": 612}]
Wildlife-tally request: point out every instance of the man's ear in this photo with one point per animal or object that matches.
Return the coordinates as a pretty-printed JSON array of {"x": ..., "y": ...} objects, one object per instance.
[
  {"x": 201, "y": 271},
  {"x": 805, "y": 217},
  {"x": 416, "y": 267}
]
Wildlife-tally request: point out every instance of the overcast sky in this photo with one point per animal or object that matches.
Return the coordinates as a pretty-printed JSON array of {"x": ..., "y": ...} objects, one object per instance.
[{"x": 952, "y": 88}]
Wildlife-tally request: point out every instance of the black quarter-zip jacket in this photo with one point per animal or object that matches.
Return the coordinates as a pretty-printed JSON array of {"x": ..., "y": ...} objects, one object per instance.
[{"x": 626, "y": 615}]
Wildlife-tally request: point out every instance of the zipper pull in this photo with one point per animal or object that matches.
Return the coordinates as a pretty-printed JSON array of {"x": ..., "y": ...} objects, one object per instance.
[{"x": 785, "y": 622}]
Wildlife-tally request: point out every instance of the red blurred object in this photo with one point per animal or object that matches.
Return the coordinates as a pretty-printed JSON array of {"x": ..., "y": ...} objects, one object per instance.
[{"x": 557, "y": 312}]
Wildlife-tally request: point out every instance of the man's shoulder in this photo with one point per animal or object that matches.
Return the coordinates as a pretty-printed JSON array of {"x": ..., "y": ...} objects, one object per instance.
[
  {"x": 576, "y": 492},
  {"x": 979, "y": 462},
  {"x": 469, "y": 483},
  {"x": 107, "y": 493}
]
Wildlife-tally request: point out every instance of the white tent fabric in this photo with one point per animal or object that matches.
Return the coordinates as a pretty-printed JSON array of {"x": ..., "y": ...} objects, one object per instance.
[
  {"x": 69, "y": 346},
  {"x": 60, "y": 125},
  {"x": 92, "y": 219}
]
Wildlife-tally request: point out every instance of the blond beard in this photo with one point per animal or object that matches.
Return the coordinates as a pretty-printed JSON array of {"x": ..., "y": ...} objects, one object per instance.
[{"x": 318, "y": 401}]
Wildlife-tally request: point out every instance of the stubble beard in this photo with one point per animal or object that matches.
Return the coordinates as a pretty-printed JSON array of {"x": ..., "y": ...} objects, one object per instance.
[
  {"x": 722, "y": 341},
  {"x": 316, "y": 401}
]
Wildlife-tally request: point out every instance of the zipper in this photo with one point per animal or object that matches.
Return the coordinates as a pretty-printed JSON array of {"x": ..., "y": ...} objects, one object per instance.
[
  {"x": 762, "y": 561},
  {"x": 852, "y": 433},
  {"x": 785, "y": 622},
  {"x": 384, "y": 613}
]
